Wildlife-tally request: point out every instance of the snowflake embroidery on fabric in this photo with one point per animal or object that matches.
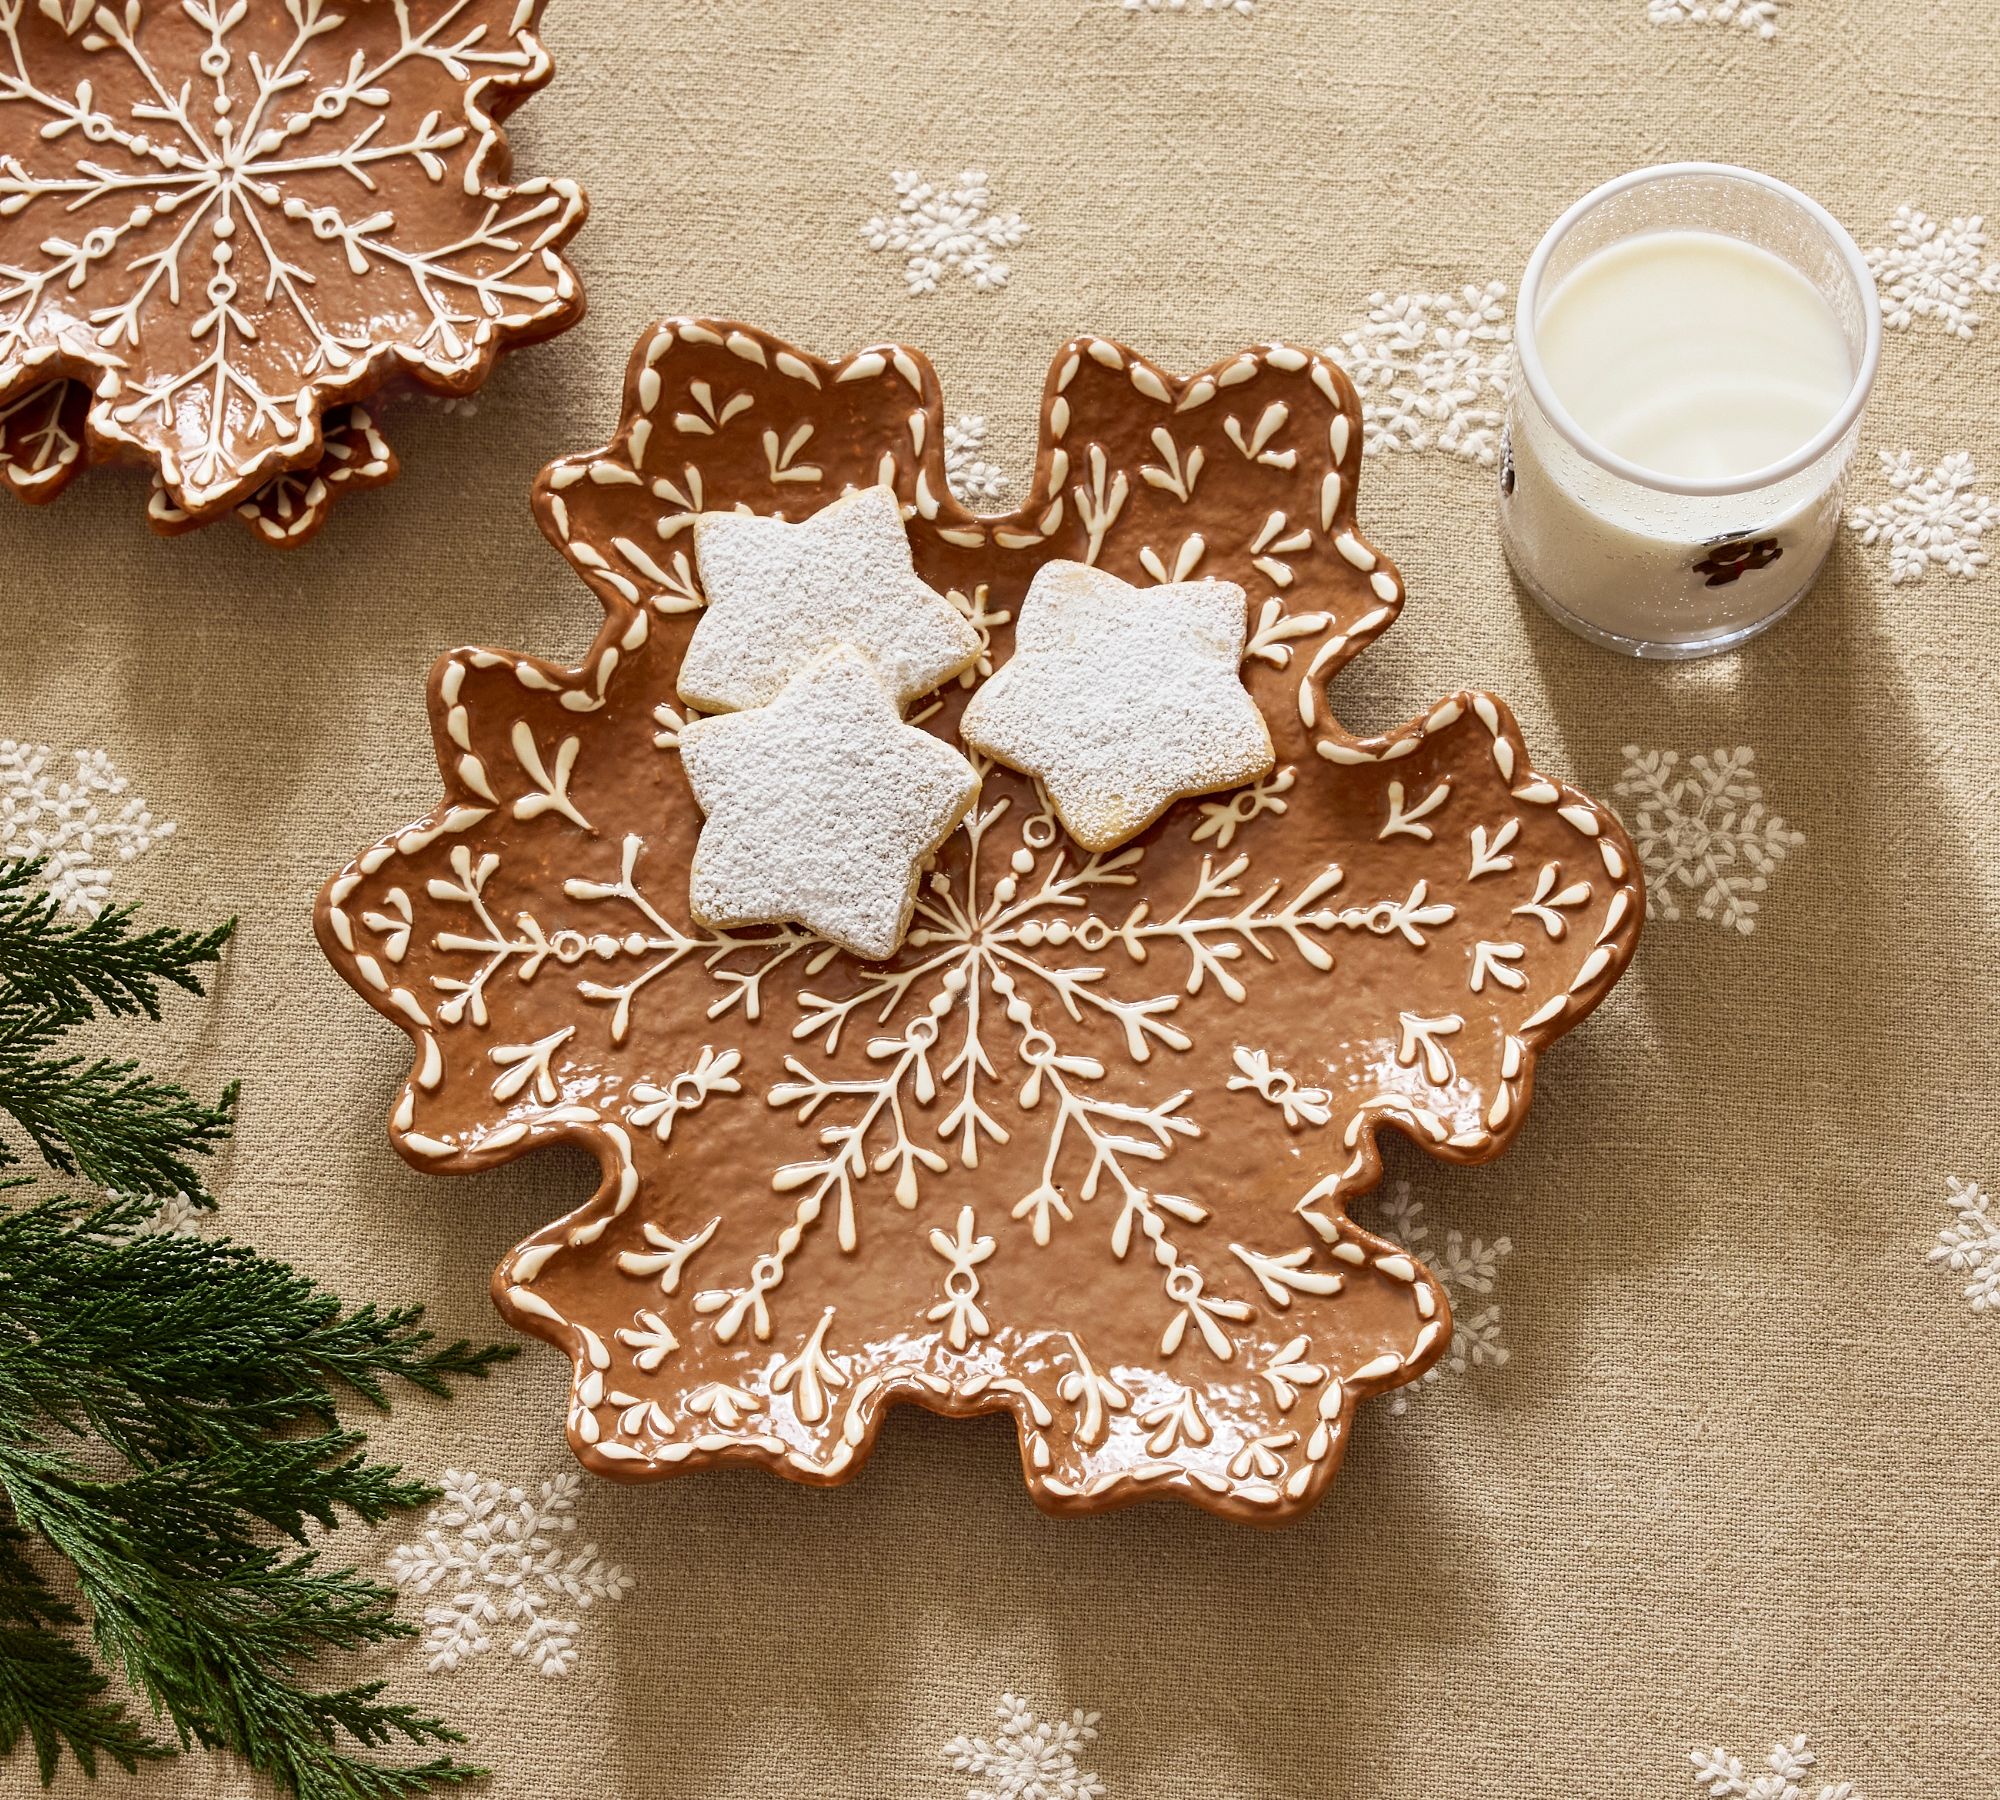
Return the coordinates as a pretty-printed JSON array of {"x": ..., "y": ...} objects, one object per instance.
[
  {"x": 1705, "y": 828},
  {"x": 1432, "y": 371},
  {"x": 1029, "y": 1758},
  {"x": 1463, "y": 1266},
  {"x": 493, "y": 1551},
  {"x": 181, "y": 1215},
  {"x": 966, "y": 471},
  {"x": 83, "y": 825},
  {"x": 1783, "y": 1777},
  {"x": 1760, "y": 16},
  {"x": 1971, "y": 1245},
  {"x": 1242, "y": 8},
  {"x": 1933, "y": 516},
  {"x": 935, "y": 229},
  {"x": 1935, "y": 269}
]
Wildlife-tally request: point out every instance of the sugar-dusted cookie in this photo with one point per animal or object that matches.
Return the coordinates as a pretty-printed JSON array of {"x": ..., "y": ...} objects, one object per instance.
[
  {"x": 1122, "y": 699},
  {"x": 779, "y": 594},
  {"x": 822, "y": 807}
]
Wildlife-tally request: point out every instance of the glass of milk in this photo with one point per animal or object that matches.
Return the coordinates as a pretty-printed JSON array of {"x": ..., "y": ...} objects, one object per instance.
[{"x": 1693, "y": 349}]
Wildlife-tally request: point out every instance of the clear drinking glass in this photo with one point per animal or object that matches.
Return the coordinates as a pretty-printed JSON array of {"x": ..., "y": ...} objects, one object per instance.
[{"x": 1651, "y": 564}]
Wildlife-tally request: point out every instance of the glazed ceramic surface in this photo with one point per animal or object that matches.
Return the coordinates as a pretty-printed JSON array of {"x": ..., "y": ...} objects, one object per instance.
[
  {"x": 221, "y": 222},
  {"x": 1082, "y": 1149}
]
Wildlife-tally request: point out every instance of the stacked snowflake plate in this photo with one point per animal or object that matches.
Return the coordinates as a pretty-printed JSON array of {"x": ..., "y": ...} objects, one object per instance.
[
  {"x": 222, "y": 226},
  {"x": 1081, "y": 1149}
]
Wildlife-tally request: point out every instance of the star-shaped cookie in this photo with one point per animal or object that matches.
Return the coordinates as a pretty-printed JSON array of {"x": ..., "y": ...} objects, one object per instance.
[
  {"x": 779, "y": 594},
  {"x": 1122, "y": 699},
  {"x": 822, "y": 807}
]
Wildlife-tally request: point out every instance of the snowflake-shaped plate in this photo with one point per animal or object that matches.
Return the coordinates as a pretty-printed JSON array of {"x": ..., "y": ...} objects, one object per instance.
[
  {"x": 222, "y": 223},
  {"x": 1082, "y": 1149}
]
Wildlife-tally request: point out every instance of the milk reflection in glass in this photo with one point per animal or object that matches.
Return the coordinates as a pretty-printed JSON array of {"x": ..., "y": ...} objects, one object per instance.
[{"x": 1701, "y": 358}]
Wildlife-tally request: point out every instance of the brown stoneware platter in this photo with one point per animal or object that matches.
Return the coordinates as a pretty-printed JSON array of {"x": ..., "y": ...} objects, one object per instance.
[
  {"x": 224, "y": 222},
  {"x": 1082, "y": 1149}
]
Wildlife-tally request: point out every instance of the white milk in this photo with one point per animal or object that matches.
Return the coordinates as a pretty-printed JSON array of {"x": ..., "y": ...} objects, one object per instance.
[
  {"x": 1694, "y": 354},
  {"x": 1700, "y": 357}
]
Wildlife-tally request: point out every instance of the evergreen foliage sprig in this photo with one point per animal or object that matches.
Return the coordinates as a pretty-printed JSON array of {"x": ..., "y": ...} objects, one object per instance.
[{"x": 168, "y": 1420}]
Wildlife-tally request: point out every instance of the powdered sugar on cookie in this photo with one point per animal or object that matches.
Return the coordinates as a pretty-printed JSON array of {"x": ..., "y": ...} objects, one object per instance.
[
  {"x": 822, "y": 807},
  {"x": 1122, "y": 699},
  {"x": 780, "y": 594}
]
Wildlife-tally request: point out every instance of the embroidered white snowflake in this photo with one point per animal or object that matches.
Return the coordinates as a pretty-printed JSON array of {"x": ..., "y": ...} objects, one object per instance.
[
  {"x": 1935, "y": 269},
  {"x": 1971, "y": 1245},
  {"x": 1931, "y": 517},
  {"x": 1029, "y": 1758},
  {"x": 1760, "y": 16},
  {"x": 935, "y": 229},
  {"x": 178, "y": 1216},
  {"x": 490, "y": 1552},
  {"x": 1463, "y": 1266},
  {"x": 1706, "y": 828},
  {"x": 1243, "y": 8},
  {"x": 1432, "y": 371},
  {"x": 84, "y": 825},
  {"x": 966, "y": 471},
  {"x": 1783, "y": 1777}
]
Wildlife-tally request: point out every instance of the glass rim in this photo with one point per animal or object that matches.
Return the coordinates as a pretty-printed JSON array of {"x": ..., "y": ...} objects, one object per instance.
[{"x": 1528, "y": 353}]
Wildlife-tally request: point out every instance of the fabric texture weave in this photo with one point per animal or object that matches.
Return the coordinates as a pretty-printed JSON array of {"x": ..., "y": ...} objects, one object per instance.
[{"x": 1729, "y": 1487}]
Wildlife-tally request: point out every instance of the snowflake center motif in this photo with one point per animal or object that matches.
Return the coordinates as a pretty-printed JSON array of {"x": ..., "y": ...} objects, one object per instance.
[
  {"x": 223, "y": 219},
  {"x": 1692, "y": 838},
  {"x": 1705, "y": 828},
  {"x": 1081, "y": 1149},
  {"x": 489, "y": 1560}
]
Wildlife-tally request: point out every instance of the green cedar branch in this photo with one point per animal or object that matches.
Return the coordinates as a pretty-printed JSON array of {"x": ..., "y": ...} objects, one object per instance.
[
  {"x": 169, "y": 1421},
  {"x": 48, "y": 962}
]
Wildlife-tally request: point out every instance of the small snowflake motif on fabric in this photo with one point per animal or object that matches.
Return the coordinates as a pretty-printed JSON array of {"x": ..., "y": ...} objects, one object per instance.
[
  {"x": 1028, "y": 1758},
  {"x": 85, "y": 826},
  {"x": 1931, "y": 517},
  {"x": 179, "y": 1215},
  {"x": 967, "y": 473},
  {"x": 936, "y": 229},
  {"x": 1242, "y": 8},
  {"x": 491, "y": 1554},
  {"x": 1783, "y": 1777},
  {"x": 1464, "y": 1267},
  {"x": 1432, "y": 371},
  {"x": 1760, "y": 16},
  {"x": 1704, "y": 827},
  {"x": 1970, "y": 1245},
  {"x": 1936, "y": 269}
]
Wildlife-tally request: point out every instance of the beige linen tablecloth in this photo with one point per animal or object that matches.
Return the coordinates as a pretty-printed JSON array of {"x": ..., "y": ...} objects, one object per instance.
[{"x": 1735, "y": 1482}]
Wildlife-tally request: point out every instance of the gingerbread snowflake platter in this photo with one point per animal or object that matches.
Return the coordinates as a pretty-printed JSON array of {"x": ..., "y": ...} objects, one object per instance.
[
  {"x": 1081, "y": 1149},
  {"x": 225, "y": 223}
]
